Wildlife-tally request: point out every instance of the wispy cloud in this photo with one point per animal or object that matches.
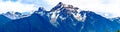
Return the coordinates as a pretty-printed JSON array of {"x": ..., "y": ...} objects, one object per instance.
[
  {"x": 104, "y": 6},
  {"x": 8, "y": 5}
]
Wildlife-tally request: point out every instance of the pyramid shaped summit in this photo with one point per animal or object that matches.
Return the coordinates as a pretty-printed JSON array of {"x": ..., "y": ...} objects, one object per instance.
[
  {"x": 59, "y": 5},
  {"x": 62, "y": 5}
]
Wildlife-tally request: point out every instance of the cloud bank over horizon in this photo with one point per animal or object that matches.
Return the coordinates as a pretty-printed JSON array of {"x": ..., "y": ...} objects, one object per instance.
[
  {"x": 16, "y": 6},
  {"x": 107, "y": 8}
]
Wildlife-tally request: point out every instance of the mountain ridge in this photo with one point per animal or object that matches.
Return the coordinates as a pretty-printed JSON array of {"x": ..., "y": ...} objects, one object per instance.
[{"x": 62, "y": 18}]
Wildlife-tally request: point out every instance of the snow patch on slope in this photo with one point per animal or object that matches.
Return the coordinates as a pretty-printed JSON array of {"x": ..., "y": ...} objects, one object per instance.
[
  {"x": 62, "y": 10},
  {"x": 16, "y": 15}
]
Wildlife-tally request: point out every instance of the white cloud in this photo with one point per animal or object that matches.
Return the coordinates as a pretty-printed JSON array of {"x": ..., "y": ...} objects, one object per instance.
[
  {"x": 103, "y": 6},
  {"x": 16, "y": 7}
]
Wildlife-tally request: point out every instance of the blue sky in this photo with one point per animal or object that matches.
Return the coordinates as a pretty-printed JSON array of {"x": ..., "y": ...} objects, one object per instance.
[{"x": 107, "y": 8}]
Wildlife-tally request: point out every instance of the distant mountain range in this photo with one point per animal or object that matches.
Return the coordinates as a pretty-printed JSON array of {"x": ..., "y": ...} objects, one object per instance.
[{"x": 61, "y": 18}]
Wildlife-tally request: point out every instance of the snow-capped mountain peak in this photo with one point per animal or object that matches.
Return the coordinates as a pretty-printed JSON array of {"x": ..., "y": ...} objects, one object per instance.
[
  {"x": 15, "y": 15},
  {"x": 63, "y": 11}
]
